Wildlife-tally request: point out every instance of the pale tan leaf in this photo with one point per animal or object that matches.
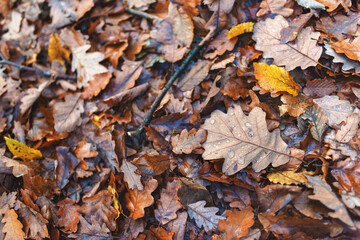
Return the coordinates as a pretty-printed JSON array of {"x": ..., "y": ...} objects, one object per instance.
[
  {"x": 86, "y": 64},
  {"x": 303, "y": 52},
  {"x": 7, "y": 201},
  {"x": 204, "y": 216},
  {"x": 220, "y": 5},
  {"x": 348, "y": 131},
  {"x": 317, "y": 117},
  {"x": 139, "y": 3},
  {"x": 67, "y": 114},
  {"x": 347, "y": 64},
  {"x": 183, "y": 27},
  {"x": 32, "y": 94},
  {"x": 12, "y": 227},
  {"x": 196, "y": 75},
  {"x": 242, "y": 140},
  {"x": 344, "y": 148},
  {"x": 337, "y": 110},
  {"x": 178, "y": 226},
  {"x": 312, "y": 4},
  {"x": 333, "y": 4},
  {"x": 324, "y": 194},
  {"x": 187, "y": 142},
  {"x": 275, "y": 7},
  {"x": 130, "y": 177}
]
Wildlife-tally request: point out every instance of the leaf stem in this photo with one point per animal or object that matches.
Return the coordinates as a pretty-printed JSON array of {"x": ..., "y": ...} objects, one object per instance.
[{"x": 142, "y": 14}]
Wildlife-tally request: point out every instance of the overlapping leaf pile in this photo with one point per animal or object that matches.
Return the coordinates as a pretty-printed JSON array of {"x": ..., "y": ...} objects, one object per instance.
[{"x": 258, "y": 138}]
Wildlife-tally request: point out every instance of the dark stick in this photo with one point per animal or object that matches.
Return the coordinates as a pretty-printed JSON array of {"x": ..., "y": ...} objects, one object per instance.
[
  {"x": 38, "y": 71},
  {"x": 142, "y": 14},
  {"x": 136, "y": 135}
]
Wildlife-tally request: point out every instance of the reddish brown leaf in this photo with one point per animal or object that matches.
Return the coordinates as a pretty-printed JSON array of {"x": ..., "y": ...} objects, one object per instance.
[
  {"x": 67, "y": 164},
  {"x": 319, "y": 87},
  {"x": 237, "y": 223},
  {"x": 99, "y": 82},
  {"x": 152, "y": 164},
  {"x": 187, "y": 142},
  {"x": 68, "y": 215}
]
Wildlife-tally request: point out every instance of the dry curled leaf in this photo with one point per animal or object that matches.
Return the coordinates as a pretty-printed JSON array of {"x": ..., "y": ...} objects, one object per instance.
[
  {"x": 351, "y": 50},
  {"x": 275, "y": 79},
  {"x": 21, "y": 150},
  {"x": 303, "y": 52},
  {"x": 187, "y": 142},
  {"x": 237, "y": 223},
  {"x": 242, "y": 140},
  {"x": 12, "y": 227}
]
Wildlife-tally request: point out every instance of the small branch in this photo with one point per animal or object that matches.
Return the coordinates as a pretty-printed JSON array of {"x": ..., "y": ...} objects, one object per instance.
[
  {"x": 136, "y": 136},
  {"x": 142, "y": 14},
  {"x": 38, "y": 71}
]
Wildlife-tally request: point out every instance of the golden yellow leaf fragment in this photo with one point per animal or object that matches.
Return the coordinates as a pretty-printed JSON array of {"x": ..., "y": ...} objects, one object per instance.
[
  {"x": 289, "y": 177},
  {"x": 275, "y": 79},
  {"x": 240, "y": 29},
  {"x": 56, "y": 51},
  {"x": 21, "y": 150},
  {"x": 115, "y": 195}
]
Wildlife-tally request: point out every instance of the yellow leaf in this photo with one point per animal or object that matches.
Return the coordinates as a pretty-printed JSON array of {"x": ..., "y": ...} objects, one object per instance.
[
  {"x": 56, "y": 50},
  {"x": 21, "y": 150},
  {"x": 115, "y": 199},
  {"x": 240, "y": 29},
  {"x": 289, "y": 177},
  {"x": 275, "y": 79}
]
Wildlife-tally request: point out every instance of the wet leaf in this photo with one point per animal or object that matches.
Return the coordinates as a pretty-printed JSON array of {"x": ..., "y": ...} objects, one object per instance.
[
  {"x": 242, "y": 140},
  {"x": 280, "y": 7},
  {"x": 237, "y": 223},
  {"x": 187, "y": 142},
  {"x": 21, "y": 150}
]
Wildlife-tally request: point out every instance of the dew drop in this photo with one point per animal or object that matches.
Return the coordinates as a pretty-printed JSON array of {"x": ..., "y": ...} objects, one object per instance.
[
  {"x": 212, "y": 121},
  {"x": 248, "y": 124},
  {"x": 251, "y": 134},
  {"x": 232, "y": 113},
  {"x": 231, "y": 154},
  {"x": 227, "y": 140},
  {"x": 239, "y": 134},
  {"x": 219, "y": 143},
  {"x": 240, "y": 160}
]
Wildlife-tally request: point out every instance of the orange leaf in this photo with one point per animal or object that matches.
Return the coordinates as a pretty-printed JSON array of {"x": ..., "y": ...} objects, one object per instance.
[
  {"x": 56, "y": 50},
  {"x": 12, "y": 227},
  {"x": 289, "y": 177},
  {"x": 240, "y": 29},
  {"x": 351, "y": 50},
  {"x": 275, "y": 79},
  {"x": 21, "y": 150}
]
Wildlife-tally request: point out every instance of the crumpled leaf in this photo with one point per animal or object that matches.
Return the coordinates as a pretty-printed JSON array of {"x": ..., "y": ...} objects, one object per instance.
[
  {"x": 12, "y": 227},
  {"x": 324, "y": 194},
  {"x": 275, "y": 79},
  {"x": 303, "y": 52},
  {"x": 204, "y": 216},
  {"x": 137, "y": 201},
  {"x": 91, "y": 230},
  {"x": 56, "y": 51},
  {"x": 168, "y": 204},
  {"x": 239, "y": 29},
  {"x": 337, "y": 110},
  {"x": 187, "y": 142},
  {"x": 32, "y": 95},
  {"x": 68, "y": 215},
  {"x": 21, "y": 150},
  {"x": 280, "y": 7},
  {"x": 344, "y": 148},
  {"x": 319, "y": 87},
  {"x": 351, "y": 50},
  {"x": 67, "y": 115},
  {"x": 294, "y": 106},
  {"x": 242, "y": 140},
  {"x": 319, "y": 120},
  {"x": 347, "y": 64},
  {"x": 86, "y": 64},
  {"x": 237, "y": 223},
  {"x": 349, "y": 130},
  {"x": 289, "y": 177},
  {"x": 347, "y": 174}
]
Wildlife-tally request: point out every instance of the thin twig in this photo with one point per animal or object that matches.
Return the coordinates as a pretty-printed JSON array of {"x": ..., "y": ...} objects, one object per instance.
[
  {"x": 38, "y": 71},
  {"x": 142, "y": 14},
  {"x": 136, "y": 135}
]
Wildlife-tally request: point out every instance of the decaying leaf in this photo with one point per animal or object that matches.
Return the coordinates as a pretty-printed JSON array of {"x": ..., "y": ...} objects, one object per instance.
[
  {"x": 303, "y": 52},
  {"x": 242, "y": 140},
  {"x": 312, "y": 4},
  {"x": 294, "y": 106},
  {"x": 337, "y": 110},
  {"x": 275, "y": 79},
  {"x": 196, "y": 75},
  {"x": 289, "y": 177},
  {"x": 67, "y": 115},
  {"x": 56, "y": 51},
  {"x": 324, "y": 194},
  {"x": 137, "y": 200},
  {"x": 130, "y": 177},
  {"x": 351, "y": 50},
  {"x": 68, "y": 215},
  {"x": 348, "y": 131},
  {"x": 204, "y": 216},
  {"x": 347, "y": 64},
  {"x": 32, "y": 95},
  {"x": 240, "y": 29},
  {"x": 12, "y": 227},
  {"x": 237, "y": 223},
  {"x": 21, "y": 150},
  {"x": 275, "y": 7},
  {"x": 318, "y": 119},
  {"x": 187, "y": 142},
  {"x": 319, "y": 87}
]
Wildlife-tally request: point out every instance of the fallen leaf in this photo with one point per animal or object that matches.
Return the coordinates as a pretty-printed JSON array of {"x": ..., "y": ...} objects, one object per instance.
[
  {"x": 139, "y": 3},
  {"x": 86, "y": 64},
  {"x": 312, "y": 4},
  {"x": 161, "y": 234},
  {"x": 22, "y": 151},
  {"x": 275, "y": 79},
  {"x": 137, "y": 201},
  {"x": 84, "y": 150},
  {"x": 187, "y": 142},
  {"x": 182, "y": 25},
  {"x": 349, "y": 130},
  {"x": 88, "y": 229},
  {"x": 289, "y": 177},
  {"x": 218, "y": 5},
  {"x": 303, "y": 52},
  {"x": 350, "y": 49},
  {"x": 319, "y": 87},
  {"x": 12, "y": 227},
  {"x": 294, "y": 106},
  {"x": 333, "y": 4},
  {"x": 168, "y": 204},
  {"x": 237, "y": 223},
  {"x": 178, "y": 226},
  {"x": 219, "y": 45},
  {"x": 95, "y": 86},
  {"x": 318, "y": 119},
  {"x": 337, "y": 110},
  {"x": 237, "y": 197},
  {"x": 32, "y": 94},
  {"x": 204, "y": 216},
  {"x": 67, "y": 163},
  {"x": 68, "y": 215},
  {"x": 296, "y": 25},
  {"x": 344, "y": 148},
  {"x": 67, "y": 115},
  {"x": 346, "y": 173},
  {"x": 242, "y": 140},
  {"x": 152, "y": 164},
  {"x": 7, "y": 201},
  {"x": 56, "y": 51},
  {"x": 130, "y": 177},
  {"x": 196, "y": 75},
  {"x": 240, "y": 29},
  {"x": 190, "y": 6},
  {"x": 280, "y": 7},
  {"x": 324, "y": 194},
  {"x": 347, "y": 64}
]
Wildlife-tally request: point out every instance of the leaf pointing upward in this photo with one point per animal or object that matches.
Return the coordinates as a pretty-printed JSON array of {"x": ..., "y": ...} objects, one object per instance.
[{"x": 242, "y": 140}]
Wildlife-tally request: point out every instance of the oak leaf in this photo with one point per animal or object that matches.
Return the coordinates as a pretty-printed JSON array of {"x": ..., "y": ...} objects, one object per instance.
[
  {"x": 319, "y": 87},
  {"x": 218, "y": 5},
  {"x": 312, "y": 4},
  {"x": 92, "y": 230},
  {"x": 347, "y": 64},
  {"x": 67, "y": 114},
  {"x": 324, "y": 194},
  {"x": 139, "y": 3},
  {"x": 237, "y": 223},
  {"x": 196, "y": 75},
  {"x": 67, "y": 163},
  {"x": 56, "y": 51},
  {"x": 349, "y": 130},
  {"x": 168, "y": 204},
  {"x": 289, "y": 177},
  {"x": 161, "y": 234},
  {"x": 86, "y": 64},
  {"x": 275, "y": 79},
  {"x": 242, "y": 140},
  {"x": 130, "y": 177},
  {"x": 21, "y": 150},
  {"x": 204, "y": 216},
  {"x": 35, "y": 225},
  {"x": 68, "y": 215},
  {"x": 351, "y": 50},
  {"x": 337, "y": 110},
  {"x": 7, "y": 201},
  {"x": 137, "y": 201},
  {"x": 319, "y": 120},
  {"x": 333, "y": 4},
  {"x": 220, "y": 45},
  {"x": 240, "y": 29},
  {"x": 280, "y": 7},
  {"x": 187, "y": 142},
  {"x": 12, "y": 227},
  {"x": 32, "y": 94},
  {"x": 294, "y": 106},
  {"x": 303, "y": 52},
  {"x": 95, "y": 86}
]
